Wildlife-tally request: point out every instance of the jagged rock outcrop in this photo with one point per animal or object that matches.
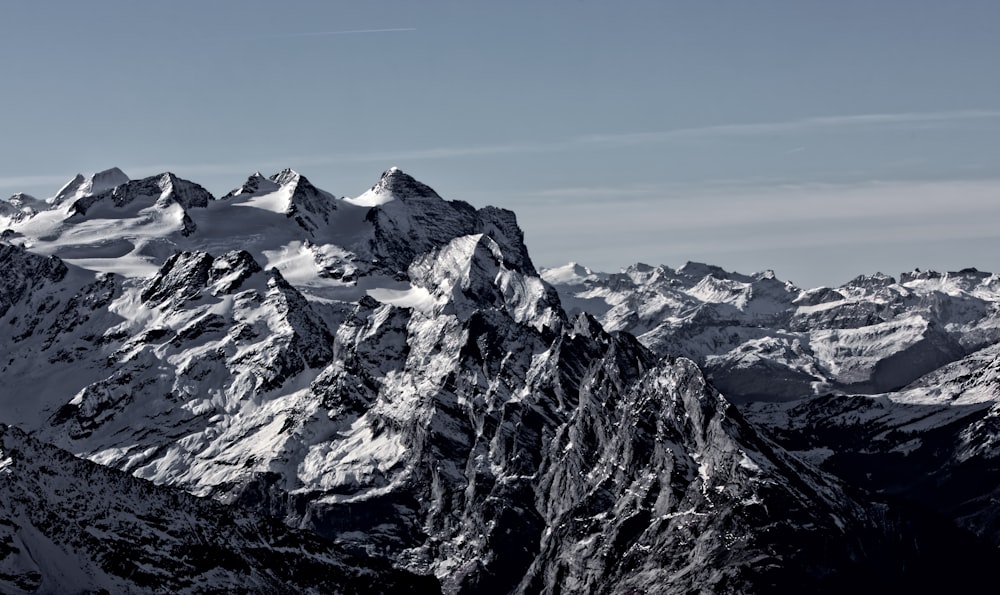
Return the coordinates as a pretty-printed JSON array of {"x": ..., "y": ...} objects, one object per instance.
[
  {"x": 411, "y": 219},
  {"x": 185, "y": 274},
  {"x": 22, "y": 272},
  {"x": 166, "y": 192},
  {"x": 161, "y": 190},
  {"x": 309, "y": 206},
  {"x": 255, "y": 184},
  {"x": 68, "y": 525}
]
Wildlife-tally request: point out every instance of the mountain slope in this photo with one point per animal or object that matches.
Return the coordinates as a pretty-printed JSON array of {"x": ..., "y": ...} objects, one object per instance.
[
  {"x": 933, "y": 442},
  {"x": 69, "y": 525}
]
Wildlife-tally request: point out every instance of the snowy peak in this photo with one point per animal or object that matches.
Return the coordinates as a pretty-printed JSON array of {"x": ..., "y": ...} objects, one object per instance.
[
  {"x": 21, "y": 200},
  {"x": 700, "y": 270},
  {"x": 314, "y": 232},
  {"x": 469, "y": 274},
  {"x": 255, "y": 185},
  {"x": 158, "y": 202},
  {"x": 288, "y": 176},
  {"x": 402, "y": 185},
  {"x": 309, "y": 206},
  {"x": 185, "y": 193},
  {"x": 293, "y": 194},
  {"x": 760, "y": 337},
  {"x": 162, "y": 190},
  {"x": 298, "y": 185},
  {"x": 571, "y": 274},
  {"x": 918, "y": 275},
  {"x": 411, "y": 219},
  {"x": 71, "y": 190},
  {"x": 395, "y": 185},
  {"x": 107, "y": 179},
  {"x": 20, "y": 206},
  {"x": 97, "y": 183},
  {"x": 874, "y": 281}
]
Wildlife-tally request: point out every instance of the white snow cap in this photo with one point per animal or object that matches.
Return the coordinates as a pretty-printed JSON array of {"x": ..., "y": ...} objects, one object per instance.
[
  {"x": 96, "y": 183},
  {"x": 285, "y": 176},
  {"x": 570, "y": 274},
  {"x": 385, "y": 190}
]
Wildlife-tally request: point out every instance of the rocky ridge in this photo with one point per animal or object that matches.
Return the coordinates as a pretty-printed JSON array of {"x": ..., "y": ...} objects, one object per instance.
[{"x": 67, "y": 524}]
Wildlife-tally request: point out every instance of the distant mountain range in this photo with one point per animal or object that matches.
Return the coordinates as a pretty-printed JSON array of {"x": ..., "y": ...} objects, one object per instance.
[{"x": 284, "y": 390}]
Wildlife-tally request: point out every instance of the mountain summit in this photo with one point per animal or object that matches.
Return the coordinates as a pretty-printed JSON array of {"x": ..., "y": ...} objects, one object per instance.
[
  {"x": 395, "y": 185},
  {"x": 97, "y": 183}
]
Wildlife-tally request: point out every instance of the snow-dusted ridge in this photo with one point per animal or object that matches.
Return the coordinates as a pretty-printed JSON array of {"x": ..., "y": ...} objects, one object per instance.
[
  {"x": 67, "y": 525},
  {"x": 759, "y": 337}
]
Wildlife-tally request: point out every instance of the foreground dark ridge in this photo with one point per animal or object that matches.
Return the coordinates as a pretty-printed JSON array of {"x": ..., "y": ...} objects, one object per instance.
[{"x": 68, "y": 525}]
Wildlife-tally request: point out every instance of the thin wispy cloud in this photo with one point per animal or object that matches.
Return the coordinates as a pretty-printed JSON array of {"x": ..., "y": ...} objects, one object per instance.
[
  {"x": 357, "y": 31},
  {"x": 594, "y": 141},
  {"x": 583, "y": 142},
  {"x": 438, "y": 153},
  {"x": 339, "y": 32},
  {"x": 301, "y": 162},
  {"x": 791, "y": 126},
  {"x": 587, "y": 142},
  {"x": 721, "y": 130},
  {"x": 385, "y": 158},
  {"x": 669, "y": 207}
]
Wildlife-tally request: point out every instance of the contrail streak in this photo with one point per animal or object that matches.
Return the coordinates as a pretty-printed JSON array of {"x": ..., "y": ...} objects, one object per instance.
[{"x": 345, "y": 32}]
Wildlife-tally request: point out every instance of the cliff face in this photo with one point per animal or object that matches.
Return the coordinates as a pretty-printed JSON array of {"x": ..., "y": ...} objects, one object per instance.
[{"x": 71, "y": 525}]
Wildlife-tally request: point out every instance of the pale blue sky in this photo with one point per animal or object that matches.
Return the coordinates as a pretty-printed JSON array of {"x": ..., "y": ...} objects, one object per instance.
[{"x": 820, "y": 139}]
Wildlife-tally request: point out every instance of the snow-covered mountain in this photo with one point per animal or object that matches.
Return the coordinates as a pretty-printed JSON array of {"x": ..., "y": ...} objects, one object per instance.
[
  {"x": 761, "y": 338},
  {"x": 81, "y": 186},
  {"x": 391, "y": 372},
  {"x": 935, "y": 442},
  {"x": 891, "y": 384}
]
